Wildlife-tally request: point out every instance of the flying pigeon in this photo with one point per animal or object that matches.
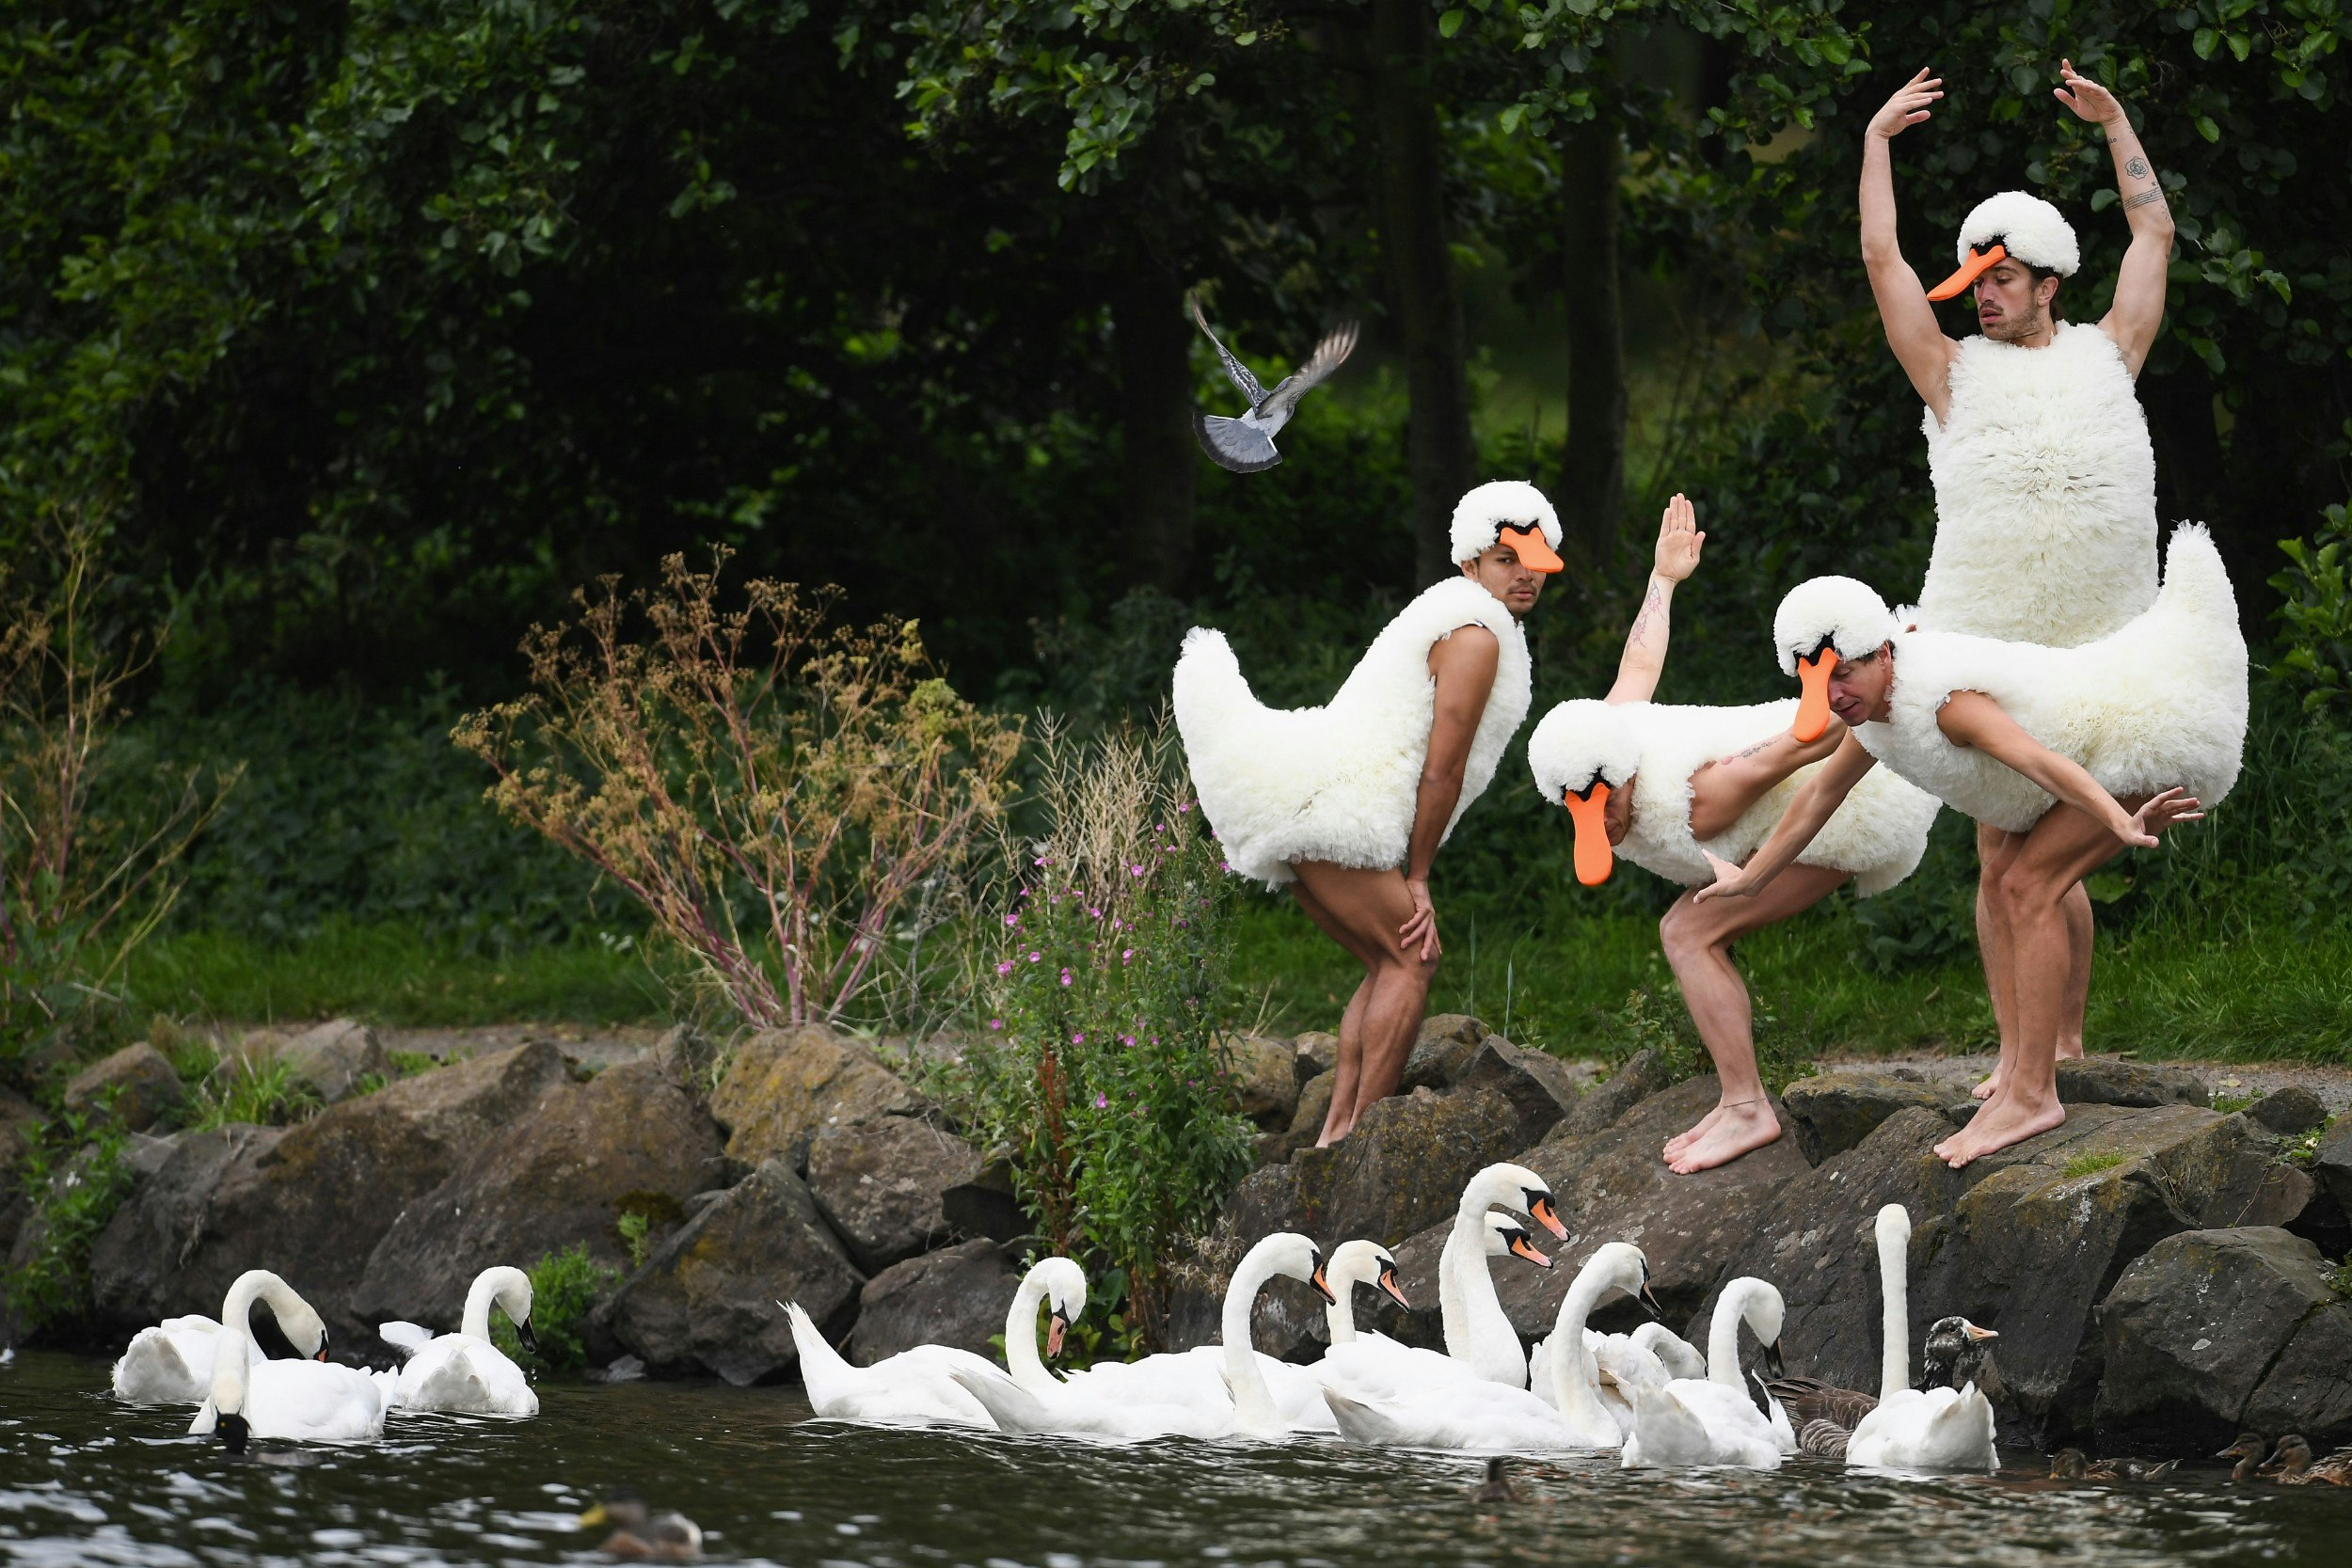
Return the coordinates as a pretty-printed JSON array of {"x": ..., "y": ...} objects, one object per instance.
[{"x": 1247, "y": 445}]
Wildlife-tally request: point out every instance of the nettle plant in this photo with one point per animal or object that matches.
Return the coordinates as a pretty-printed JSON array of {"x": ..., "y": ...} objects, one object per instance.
[{"x": 1100, "y": 1070}]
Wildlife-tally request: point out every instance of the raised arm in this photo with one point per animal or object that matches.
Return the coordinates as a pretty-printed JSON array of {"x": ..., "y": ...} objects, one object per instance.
[
  {"x": 1675, "y": 558},
  {"x": 1911, "y": 331},
  {"x": 1464, "y": 667},
  {"x": 2138, "y": 312},
  {"x": 1973, "y": 719},
  {"x": 1807, "y": 815}
]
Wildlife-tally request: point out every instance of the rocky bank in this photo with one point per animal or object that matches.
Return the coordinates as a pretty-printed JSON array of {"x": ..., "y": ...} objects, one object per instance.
[{"x": 2160, "y": 1271}]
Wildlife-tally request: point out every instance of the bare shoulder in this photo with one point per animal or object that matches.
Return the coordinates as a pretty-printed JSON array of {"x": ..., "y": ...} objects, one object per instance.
[
  {"x": 1969, "y": 716},
  {"x": 1466, "y": 650}
]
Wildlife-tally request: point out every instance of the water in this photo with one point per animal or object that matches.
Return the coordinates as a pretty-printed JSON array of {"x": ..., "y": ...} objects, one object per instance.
[{"x": 84, "y": 1480}]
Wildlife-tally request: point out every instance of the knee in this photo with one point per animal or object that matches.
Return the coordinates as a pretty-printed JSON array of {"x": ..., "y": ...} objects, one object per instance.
[
  {"x": 1678, "y": 931},
  {"x": 2018, "y": 891}
]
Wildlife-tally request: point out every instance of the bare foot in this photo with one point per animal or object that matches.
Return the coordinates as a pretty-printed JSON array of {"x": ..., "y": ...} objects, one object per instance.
[
  {"x": 1738, "y": 1129},
  {"x": 1682, "y": 1141},
  {"x": 2010, "y": 1119},
  {"x": 1990, "y": 1087},
  {"x": 2070, "y": 1050}
]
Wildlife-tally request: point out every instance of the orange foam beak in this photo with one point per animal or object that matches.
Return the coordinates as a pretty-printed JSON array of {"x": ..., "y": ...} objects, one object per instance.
[
  {"x": 1593, "y": 856},
  {"x": 1534, "y": 551},
  {"x": 1970, "y": 270},
  {"x": 1813, "y": 705}
]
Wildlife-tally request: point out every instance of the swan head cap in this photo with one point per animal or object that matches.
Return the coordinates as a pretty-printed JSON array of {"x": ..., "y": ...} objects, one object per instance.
[
  {"x": 1507, "y": 511},
  {"x": 1820, "y": 624},
  {"x": 1584, "y": 752},
  {"x": 1516, "y": 1187},
  {"x": 2013, "y": 226},
  {"x": 1507, "y": 1236}
]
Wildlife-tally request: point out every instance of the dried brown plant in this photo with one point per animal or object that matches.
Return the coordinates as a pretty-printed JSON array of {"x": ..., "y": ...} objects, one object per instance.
[{"x": 790, "y": 798}]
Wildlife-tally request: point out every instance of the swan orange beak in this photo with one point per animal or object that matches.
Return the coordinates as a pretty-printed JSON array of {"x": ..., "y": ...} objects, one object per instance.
[
  {"x": 1588, "y": 810},
  {"x": 1397, "y": 1291},
  {"x": 1055, "y": 1328},
  {"x": 1813, "y": 705},
  {"x": 1978, "y": 263},
  {"x": 1547, "y": 1215},
  {"x": 1534, "y": 550},
  {"x": 1323, "y": 1286},
  {"x": 1521, "y": 1246}
]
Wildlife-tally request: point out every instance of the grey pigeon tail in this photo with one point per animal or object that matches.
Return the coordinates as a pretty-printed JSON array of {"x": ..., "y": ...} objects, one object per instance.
[{"x": 1247, "y": 445}]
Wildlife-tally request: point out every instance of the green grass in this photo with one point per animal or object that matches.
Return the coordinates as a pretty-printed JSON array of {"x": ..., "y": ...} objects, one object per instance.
[
  {"x": 2091, "y": 1165},
  {"x": 1563, "y": 981},
  {"x": 392, "y": 973}
]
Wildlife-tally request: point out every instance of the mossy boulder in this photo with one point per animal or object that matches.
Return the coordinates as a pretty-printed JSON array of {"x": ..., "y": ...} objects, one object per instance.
[
  {"x": 137, "y": 1082},
  {"x": 785, "y": 1086},
  {"x": 1265, "y": 1079},
  {"x": 956, "y": 1296},
  {"x": 880, "y": 1184},
  {"x": 1833, "y": 1112},
  {"x": 1604, "y": 1104},
  {"x": 705, "y": 1300}
]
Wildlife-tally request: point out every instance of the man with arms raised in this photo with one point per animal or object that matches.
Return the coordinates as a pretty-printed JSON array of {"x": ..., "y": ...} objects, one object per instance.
[
  {"x": 2045, "y": 483},
  {"x": 1348, "y": 802}
]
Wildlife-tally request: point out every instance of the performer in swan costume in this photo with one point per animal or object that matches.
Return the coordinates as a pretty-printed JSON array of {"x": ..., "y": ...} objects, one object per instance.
[
  {"x": 2078, "y": 752},
  {"x": 2046, "y": 482},
  {"x": 1658, "y": 782},
  {"x": 1347, "y": 803}
]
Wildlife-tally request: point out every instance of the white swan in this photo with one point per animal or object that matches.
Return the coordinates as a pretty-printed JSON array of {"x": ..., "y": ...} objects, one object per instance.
[
  {"x": 914, "y": 1386},
  {"x": 1652, "y": 1355},
  {"x": 171, "y": 1362},
  {"x": 1374, "y": 1366},
  {"x": 465, "y": 1372},
  {"x": 1934, "y": 1429},
  {"x": 1167, "y": 1395},
  {"x": 1713, "y": 1420},
  {"x": 311, "y": 1401},
  {"x": 1477, "y": 1330},
  {"x": 1485, "y": 1416}
]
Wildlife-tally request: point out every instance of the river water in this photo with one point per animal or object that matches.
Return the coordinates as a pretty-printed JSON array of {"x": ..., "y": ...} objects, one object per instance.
[{"x": 84, "y": 1480}]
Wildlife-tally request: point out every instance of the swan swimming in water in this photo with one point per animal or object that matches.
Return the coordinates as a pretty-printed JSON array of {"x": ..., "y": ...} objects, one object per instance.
[
  {"x": 466, "y": 1371},
  {"x": 311, "y": 1401},
  {"x": 1713, "y": 1420},
  {"x": 171, "y": 1362}
]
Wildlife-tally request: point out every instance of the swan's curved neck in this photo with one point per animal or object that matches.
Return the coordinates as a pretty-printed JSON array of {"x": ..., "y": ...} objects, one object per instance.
[
  {"x": 1252, "y": 1401},
  {"x": 1021, "y": 1357},
  {"x": 1339, "y": 1317},
  {"x": 1895, "y": 1288},
  {"x": 475, "y": 1324},
  {"x": 1474, "y": 1321},
  {"x": 1574, "y": 1389},
  {"x": 1722, "y": 1336}
]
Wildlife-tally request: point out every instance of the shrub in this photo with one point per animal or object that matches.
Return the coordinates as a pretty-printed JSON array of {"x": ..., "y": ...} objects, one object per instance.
[
  {"x": 1100, "y": 1069},
  {"x": 790, "y": 801},
  {"x": 270, "y": 1094},
  {"x": 74, "y": 1179},
  {"x": 565, "y": 1287}
]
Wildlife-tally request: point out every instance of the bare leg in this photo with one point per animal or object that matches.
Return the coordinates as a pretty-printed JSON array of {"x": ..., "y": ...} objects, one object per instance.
[
  {"x": 2079, "y": 935},
  {"x": 1371, "y": 907},
  {"x": 1698, "y": 939},
  {"x": 2028, "y": 902},
  {"x": 1996, "y": 849},
  {"x": 1349, "y": 1065}
]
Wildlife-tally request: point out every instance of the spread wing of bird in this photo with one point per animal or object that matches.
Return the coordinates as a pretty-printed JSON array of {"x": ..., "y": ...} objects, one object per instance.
[
  {"x": 1329, "y": 356},
  {"x": 1240, "y": 444},
  {"x": 1235, "y": 368}
]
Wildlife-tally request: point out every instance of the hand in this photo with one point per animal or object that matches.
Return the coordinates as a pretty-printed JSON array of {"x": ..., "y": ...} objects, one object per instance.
[
  {"x": 2156, "y": 813},
  {"x": 1908, "y": 107},
  {"x": 1679, "y": 540},
  {"x": 2088, "y": 99},
  {"x": 1732, "y": 881},
  {"x": 1422, "y": 926}
]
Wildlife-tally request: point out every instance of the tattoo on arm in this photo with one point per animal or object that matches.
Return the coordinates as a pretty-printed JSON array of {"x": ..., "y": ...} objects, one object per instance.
[
  {"x": 2142, "y": 200},
  {"x": 2137, "y": 168},
  {"x": 1651, "y": 605}
]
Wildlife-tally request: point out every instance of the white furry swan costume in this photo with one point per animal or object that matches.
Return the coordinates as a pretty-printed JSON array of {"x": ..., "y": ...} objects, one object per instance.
[
  {"x": 2046, "y": 483},
  {"x": 1877, "y": 836},
  {"x": 1339, "y": 782},
  {"x": 2159, "y": 705}
]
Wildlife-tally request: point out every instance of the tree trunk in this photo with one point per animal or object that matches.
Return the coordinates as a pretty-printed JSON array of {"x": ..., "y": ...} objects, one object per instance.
[
  {"x": 1159, "y": 457},
  {"x": 1591, "y": 497},
  {"x": 1440, "y": 457}
]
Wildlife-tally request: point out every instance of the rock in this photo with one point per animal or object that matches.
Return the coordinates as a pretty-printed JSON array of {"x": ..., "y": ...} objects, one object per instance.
[
  {"x": 1399, "y": 1171},
  {"x": 786, "y": 1083},
  {"x": 957, "y": 1297},
  {"x": 20, "y": 1122},
  {"x": 143, "y": 1085},
  {"x": 986, "y": 1206},
  {"x": 1317, "y": 1053},
  {"x": 1612, "y": 1186},
  {"x": 1538, "y": 1086},
  {"x": 1314, "y": 1109},
  {"x": 2289, "y": 1112},
  {"x": 1266, "y": 1074},
  {"x": 334, "y": 1058},
  {"x": 879, "y": 1183},
  {"x": 1441, "y": 1050},
  {"x": 705, "y": 1300},
  {"x": 2113, "y": 1081},
  {"x": 628, "y": 1139},
  {"x": 310, "y": 1201},
  {"x": 1643, "y": 1074},
  {"x": 1834, "y": 1111},
  {"x": 2331, "y": 1163},
  {"x": 2216, "y": 1332}
]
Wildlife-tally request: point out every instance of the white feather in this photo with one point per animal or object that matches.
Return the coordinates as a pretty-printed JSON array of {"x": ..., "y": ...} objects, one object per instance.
[{"x": 2029, "y": 229}]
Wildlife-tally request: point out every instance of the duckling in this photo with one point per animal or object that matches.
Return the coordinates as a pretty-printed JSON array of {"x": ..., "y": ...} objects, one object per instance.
[
  {"x": 2296, "y": 1467},
  {"x": 2074, "y": 1464},
  {"x": 1496, "y": 1488},
  {"x": 639, "y": 1535},
  {"x": 2248, "y": 1450}
]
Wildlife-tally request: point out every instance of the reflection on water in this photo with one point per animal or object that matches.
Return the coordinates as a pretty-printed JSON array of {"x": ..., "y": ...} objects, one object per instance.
[{"x": 85, "y": 1481}]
